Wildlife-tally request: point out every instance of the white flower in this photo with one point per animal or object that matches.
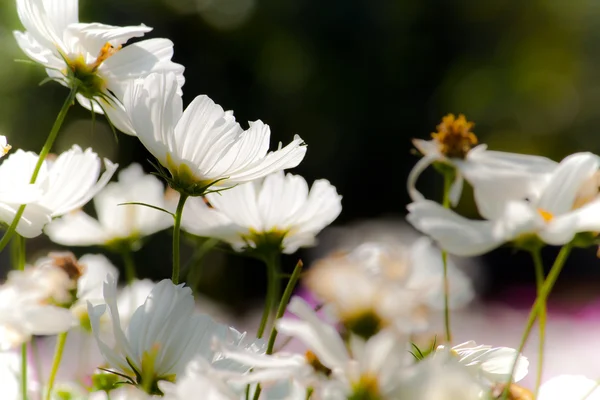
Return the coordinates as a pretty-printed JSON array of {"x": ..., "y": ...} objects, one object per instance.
[
  {"x": 377, "y": 285},
  {"x": 163, "y": 336},
  {"x": 278, "y": 211},
  {"x": 116, "y": 223},
  {"x": 202, "y": 145},
  {"x": 576, "y": 387},
  {"x": 454, "y": 144},
  {"x": 199, "y": 377},
  {"x": 555, "y": 213},
  {"x": 493, "y": 364},
  {"x": 89, "y": 55},
  {"x": 65, "y": 184},
  {"x": 368, "y": 368},
  {"x": 439, "y": 377},
  {"x": 24, "y": 313},
  {"x": 4, "y": 146}
]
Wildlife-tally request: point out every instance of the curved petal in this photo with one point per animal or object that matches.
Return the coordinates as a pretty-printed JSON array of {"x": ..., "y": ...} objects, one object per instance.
[
  {"x": 38, "y": 53},
  {"x": 93, "y": 36},
  {"x": 154, "y": 107},
  {"x": 456, "y": 234},
  {"x": 414, "y": 174},
  {"x": 76, "y": 229},
  {"x": 560, "y": 193},
  {"x": 562, "y": 229}
]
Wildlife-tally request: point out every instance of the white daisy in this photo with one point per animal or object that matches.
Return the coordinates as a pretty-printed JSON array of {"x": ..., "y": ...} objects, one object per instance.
[
  {"x": 89, "y": 57},
  {"x": 203, "y": 145},
  {"x": 65, "y": 184},
  {"x": 278, "y": 212},
  {"x": 116, "y": 224}
]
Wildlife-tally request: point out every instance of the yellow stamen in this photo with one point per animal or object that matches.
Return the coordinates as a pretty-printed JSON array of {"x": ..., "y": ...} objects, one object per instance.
[
  {"x": 546, "y": 215},
  {"x": 105, "y": 52},
  {"x": 454, "y": 136}
]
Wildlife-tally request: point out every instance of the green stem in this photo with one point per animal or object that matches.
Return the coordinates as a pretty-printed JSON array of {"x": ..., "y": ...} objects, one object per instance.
[
  {"x": 42, "y": 156},
  {"x": 17, "y": 253},
  {"x": 285, "y": 299},
  {"x": 129, "y": 265},
  {"x": 272, "y": 263},
  {"x": 540, "y": 301},
  {"x": 448, "y": 178},
  {"x": 24, "y": 371},
  {"x": 176, "y": 237},
  {"x": 60, "y": 347},
  {"x": 539, "y": 279},
  {"x": 193, "y": 267}
]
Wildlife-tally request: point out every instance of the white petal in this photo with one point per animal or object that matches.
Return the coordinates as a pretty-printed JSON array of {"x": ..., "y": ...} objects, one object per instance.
[
  {"x": 37, "y": 52},
  {"x": 561, "y": 229},
  {"x": 93, "y": 36},
  {"x": 560, "y": 193},
  {"x": 154, "y": 107},
  {"x": 317, "y": 335},
  {"x": 454, "y": 233},
  {"x": 575, "y": 387},
  {"x": 76, "y": 229},
  {"x": 415, "y": 172}
]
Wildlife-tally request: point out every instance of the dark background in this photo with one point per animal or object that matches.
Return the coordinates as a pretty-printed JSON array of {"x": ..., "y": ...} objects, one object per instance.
[{"x": 356, "y": 80}]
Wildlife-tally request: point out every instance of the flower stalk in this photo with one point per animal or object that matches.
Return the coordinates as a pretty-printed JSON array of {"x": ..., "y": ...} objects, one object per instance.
[
  {"x": 42, "y": 156},
  {"x": 539, "y": 279},
  {"x": 273, "y": 288},
  {"x": 129, "y": 263},
  {"x": 540, "y": 301},
  {"x": 60, "y": 347},
  {"x": 176, "y": 237},
  {"x": 448, "y": 179}
]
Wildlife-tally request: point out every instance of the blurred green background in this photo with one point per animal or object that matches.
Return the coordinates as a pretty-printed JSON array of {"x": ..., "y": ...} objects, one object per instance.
[{"x": 356, "y": 79}]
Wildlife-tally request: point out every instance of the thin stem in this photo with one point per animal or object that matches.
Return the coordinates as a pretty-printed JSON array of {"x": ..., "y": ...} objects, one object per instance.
[
  {"x": 60, "y": 346},
  {"x": 540, "y": 300},
  {"x": 285, "y": 299},
  {"x": 176, "y": 237},
  {"x": 539, "y": 279},
  {"x": 24, "y": 371},
  {"x": 129, "y": 264},
  {"x": 42, "y": 156},
  {"x": 272, "y": 263},
  {"x": 446, "y": 204},
  {"x": 17, "y": 256},
  {"x": 193, "y": 267}
]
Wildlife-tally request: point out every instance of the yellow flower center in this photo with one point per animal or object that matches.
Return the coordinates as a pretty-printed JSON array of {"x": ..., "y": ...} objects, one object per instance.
[
  {"x": 367, "y": 388},
  {"x": 454, "y": 136},
  {"x": 515, "y": 392},
  {"x": 547, "y": 216},
  {"x": 314, "y": 362},
  {"x": 84, "y": 76}
]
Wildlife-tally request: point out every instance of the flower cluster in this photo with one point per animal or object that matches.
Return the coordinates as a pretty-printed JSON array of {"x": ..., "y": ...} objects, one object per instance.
[{"x": 366, "y": 310}]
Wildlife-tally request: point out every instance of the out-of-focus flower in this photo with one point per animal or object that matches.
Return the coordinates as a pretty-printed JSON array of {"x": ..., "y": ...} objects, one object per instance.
[
  {"x": 455, "y": 145},
  {"x": 35, "y": 301},
  {"x": 65, "y": 184},
  {"x": 576, "y": 387},
  {"x": 163, "y": 336},
  {"x": 377, "y": 286},
  {"x": 440, "y": 377},
  {"x": 203, "y": 145},
  {"x": 554, "y": 214},
  {"x": 199, "y": 377},
  {"x": 278, "y": 212},
  {"x": 4, "y": 146},
  {"x": 88, "y": 57},
  {"x": 493, "y": 364},
  {"x": 116, "y": 224},
  {"x": 366, "y": 369}
]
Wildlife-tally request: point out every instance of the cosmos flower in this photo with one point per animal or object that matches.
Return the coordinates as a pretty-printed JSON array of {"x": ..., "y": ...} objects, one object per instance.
[
  {"x": 455, "y": 145},
  {"x": 116, "y": 223},
  {"x": 279, "y": 212},
  {"x": 163, "y": 335},
  {"x": 568, "y": 204},
  {"x": 203, "y": 145},
  {"x": 89, "y": 57},
  {"x": 64, "y": 184}
]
